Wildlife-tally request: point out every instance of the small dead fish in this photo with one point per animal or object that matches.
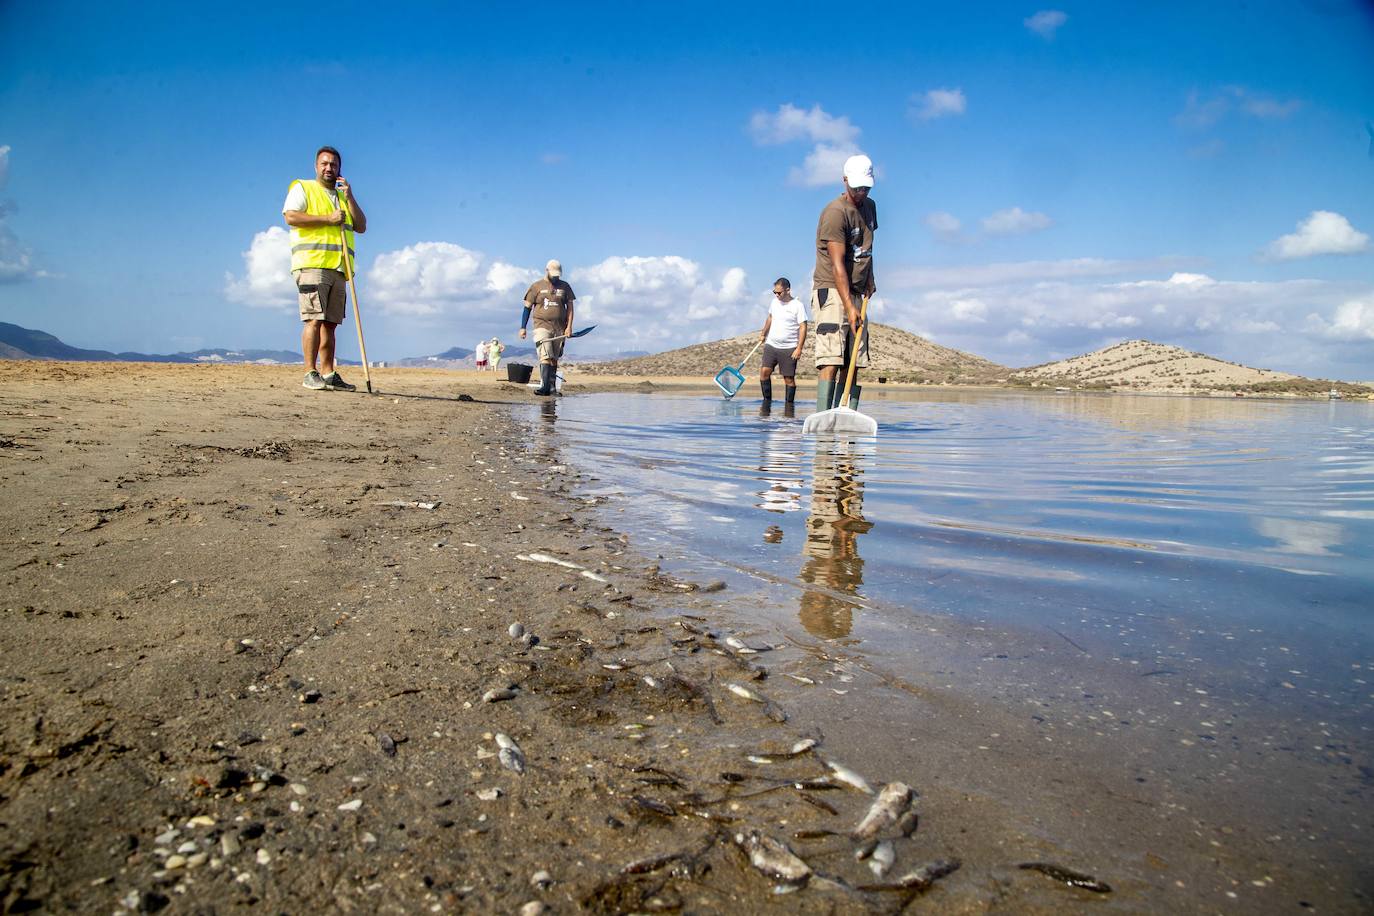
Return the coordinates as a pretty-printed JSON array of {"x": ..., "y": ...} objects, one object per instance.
[
  {"x": 651, "y": 681},
  {"x": 650, "y": 863},
  {"x": 801, "y": 679},
  {"x": 497, "y": 695},
  {"x": 545, "y": 558},
  {"x": 504, "y": 740},
  {"x": 1068, "y": 876},
  {"x": 656, "y": 807},
  {"x": 760, "y": 761},
  {"x": 847, "y": 776},
  {"x": 802, "y": 746},
  {"x": 588, "y": 574},
  {"x": 815, "y": 802},
  {"x": 773, "y": 858},
  {"x": 919, "y": 880},
  {"x": 614, "y": 667},
  {"x": 884, "y": 854},
  {"x": 512, "y": 759},
  {"x": 744, "y": 693},
  {"x": 386, "y": 743},
  {"x": 738, "y": 645},
  {"x": 814, "y": 834},
  {"x": 891, "y": 803}
]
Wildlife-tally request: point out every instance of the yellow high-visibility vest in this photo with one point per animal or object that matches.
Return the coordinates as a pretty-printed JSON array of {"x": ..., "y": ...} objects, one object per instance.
[{"x": 319, "y": 246}]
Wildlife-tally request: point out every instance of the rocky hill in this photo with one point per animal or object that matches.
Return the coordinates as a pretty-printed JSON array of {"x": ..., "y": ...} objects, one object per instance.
[
  {"x": 894, "y": 354},
  {"x": 1145, "y": 365}
]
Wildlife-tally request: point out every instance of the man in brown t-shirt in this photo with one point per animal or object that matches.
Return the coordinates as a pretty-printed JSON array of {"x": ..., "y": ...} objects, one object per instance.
[
  {"x": 844, "y": 272},
  {"x": 550, "y": 300}
]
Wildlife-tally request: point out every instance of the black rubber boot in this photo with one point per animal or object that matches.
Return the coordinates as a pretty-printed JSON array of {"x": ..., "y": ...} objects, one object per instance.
[
  {"x": 854, "y": 397},
  {"x": 790, "y": 395},
  {"x": 766, "y": 389},
  {"x": 545, "y": 380}
]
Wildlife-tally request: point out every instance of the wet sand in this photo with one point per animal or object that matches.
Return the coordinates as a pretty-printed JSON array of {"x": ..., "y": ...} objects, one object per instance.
[{"x": 249, "y": 629}]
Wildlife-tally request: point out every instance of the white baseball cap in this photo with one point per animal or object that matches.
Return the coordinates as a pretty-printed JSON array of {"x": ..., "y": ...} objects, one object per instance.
[
  {"x": 553, "y": 269},
  {"x": 858, "y": 171}
]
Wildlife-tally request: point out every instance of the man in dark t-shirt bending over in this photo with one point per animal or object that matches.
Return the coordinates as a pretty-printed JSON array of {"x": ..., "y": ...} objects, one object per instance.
[{"x": 550, "y": 300}]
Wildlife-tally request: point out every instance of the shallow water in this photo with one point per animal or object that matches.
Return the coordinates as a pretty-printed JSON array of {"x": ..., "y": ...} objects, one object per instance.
[{"x": 1193, "y": 576}]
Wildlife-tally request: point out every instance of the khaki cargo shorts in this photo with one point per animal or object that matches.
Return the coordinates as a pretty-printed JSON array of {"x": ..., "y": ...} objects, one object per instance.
[
  {"x": 833, "y": 337},
  {"x": 548, "y": 350},
  {"x": 321, "y": 295}
]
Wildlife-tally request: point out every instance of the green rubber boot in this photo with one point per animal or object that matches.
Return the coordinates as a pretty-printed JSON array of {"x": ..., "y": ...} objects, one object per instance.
[
  {"x": 854, "y": 397},
  {"x": 825, "y": 393}
]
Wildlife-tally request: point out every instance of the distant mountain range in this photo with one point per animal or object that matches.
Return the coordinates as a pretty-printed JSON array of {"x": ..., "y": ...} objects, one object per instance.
[
  {"x": 899, "y": 356},
  {"x": 25, "y": 343}
]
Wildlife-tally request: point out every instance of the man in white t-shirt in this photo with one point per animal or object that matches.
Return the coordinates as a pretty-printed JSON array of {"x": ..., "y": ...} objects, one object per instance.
[
  {"x": 481, "y": 356},
  {"x": 783, "y": 336}
]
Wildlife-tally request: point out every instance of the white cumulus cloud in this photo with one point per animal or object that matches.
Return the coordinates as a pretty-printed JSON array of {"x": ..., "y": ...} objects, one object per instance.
[
  {"x": 1045, "y": 23},
  {"x": 938, "y": 103},
  {"x": 663, "y": 302},
  {"x": 266, "y": 280},
  {"x": 1351, "y": 320},
  {"x": 1060, "y": 308},
  {"x": 1015, "y": 221},
  {"x": 16, "y": 259},
  {"x": 824, "y": 165},
  {"x": 790, "y": 123},
  {"x": 1323, "y": 232},
  {"x": 833, "y": 139},
  {"x": 433, "y": 278}
]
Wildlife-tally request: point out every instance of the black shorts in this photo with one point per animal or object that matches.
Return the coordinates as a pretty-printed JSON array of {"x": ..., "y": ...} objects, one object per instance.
[{"x": 782, "y": 359}]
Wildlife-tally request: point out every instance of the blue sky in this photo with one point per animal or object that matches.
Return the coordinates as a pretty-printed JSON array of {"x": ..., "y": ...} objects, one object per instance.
[{"x": 1051, "y": 179}]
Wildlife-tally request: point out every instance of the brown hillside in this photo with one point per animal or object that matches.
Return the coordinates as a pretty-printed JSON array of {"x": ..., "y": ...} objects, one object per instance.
[
  {"x": 894, "y": 353},
  {"x": 1143, "y": 364}
]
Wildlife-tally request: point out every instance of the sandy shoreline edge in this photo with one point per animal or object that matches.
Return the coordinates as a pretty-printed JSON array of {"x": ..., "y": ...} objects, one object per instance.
[{"x": 247, "y": 667}]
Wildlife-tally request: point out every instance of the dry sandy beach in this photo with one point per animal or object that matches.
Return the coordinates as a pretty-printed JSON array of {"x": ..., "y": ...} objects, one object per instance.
[{"x": 249, "y": 629}]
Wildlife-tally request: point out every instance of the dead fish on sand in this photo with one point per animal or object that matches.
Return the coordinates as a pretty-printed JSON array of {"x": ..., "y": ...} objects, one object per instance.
[
  {"x": 882, "y": 857},
  {"x": 545, "y": 558},
  {"x": 847, "y": 776},
  {"x": 1068, "y": 876},
  {"x": 499, "y": 694},
  {"x": 919, "y": 880},
  {"x": 891, "y": 803},
  {"x": 510, "y": 755},
  {"x": 773, "y": 858},
  {"x": 770, "y": 708}
]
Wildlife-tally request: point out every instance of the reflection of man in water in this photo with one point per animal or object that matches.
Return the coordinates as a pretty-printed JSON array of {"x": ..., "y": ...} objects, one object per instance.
[{"x": 832, "y": 550}]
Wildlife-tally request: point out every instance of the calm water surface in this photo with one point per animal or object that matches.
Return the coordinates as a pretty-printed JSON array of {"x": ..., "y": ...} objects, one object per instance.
[
  {"x": 1144, "y": 625},
  {"x": 1230, "y": 540}
]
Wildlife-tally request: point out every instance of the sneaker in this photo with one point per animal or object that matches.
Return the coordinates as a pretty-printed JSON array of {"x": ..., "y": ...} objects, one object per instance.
[
  {"x": 313, "y": 381},
  {"x": 334, "y": 382}
]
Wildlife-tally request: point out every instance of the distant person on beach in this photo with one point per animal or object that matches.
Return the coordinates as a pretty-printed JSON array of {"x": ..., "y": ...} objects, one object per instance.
[
  {"x": 494, "y": 351},
  {"x": 481, "y": 355},
  {"x": 550, "y": 300},
  {"x": 317, "y": 217},
  {"x": 844, "y": 272},
  {"x": 783, "y": 336}
]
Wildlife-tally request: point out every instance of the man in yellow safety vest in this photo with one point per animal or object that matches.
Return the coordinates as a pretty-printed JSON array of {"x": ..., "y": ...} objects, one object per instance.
[{"x": 323, "y": 215}]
